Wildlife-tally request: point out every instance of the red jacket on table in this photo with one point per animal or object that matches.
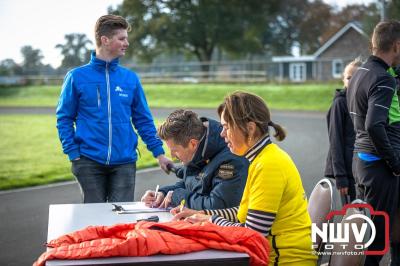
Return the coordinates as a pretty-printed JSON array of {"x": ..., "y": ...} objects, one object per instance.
[{"x": 149, "y": 238}]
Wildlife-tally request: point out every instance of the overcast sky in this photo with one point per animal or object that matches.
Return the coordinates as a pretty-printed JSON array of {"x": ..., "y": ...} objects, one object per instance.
[
  {"x": 43, "y": 24},
  {"x": 342, "y": 3}
]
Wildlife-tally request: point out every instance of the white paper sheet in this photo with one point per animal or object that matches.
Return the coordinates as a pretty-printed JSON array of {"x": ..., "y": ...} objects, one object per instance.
[{"x": 138, "y": 207}]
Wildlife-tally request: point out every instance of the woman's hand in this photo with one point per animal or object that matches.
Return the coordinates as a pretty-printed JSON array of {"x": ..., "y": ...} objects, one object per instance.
[
  {"x": 198, "y": 218},
  {"x": 185, "y": 213}
]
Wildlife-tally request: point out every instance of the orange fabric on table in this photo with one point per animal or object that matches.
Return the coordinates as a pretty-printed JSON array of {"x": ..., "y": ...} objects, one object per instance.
[{"x": 149, "y": 238}]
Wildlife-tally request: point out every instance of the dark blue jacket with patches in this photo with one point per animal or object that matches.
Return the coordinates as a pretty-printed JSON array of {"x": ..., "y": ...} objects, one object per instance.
[{"x": 215, "y": 178}]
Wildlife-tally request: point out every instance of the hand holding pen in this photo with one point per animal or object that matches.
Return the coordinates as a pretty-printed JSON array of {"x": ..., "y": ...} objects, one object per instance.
[
  {"x": 182, "y": 205},
  {"x": 182, "y": 213},
  {"x": 180, "y": 208},
  {"x": 155, "y": 196},
  {"x": 152, "y": 198}
]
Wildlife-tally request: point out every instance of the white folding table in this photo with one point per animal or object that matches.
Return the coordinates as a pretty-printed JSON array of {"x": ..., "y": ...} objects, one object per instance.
[{"x": 66, "y": 218}]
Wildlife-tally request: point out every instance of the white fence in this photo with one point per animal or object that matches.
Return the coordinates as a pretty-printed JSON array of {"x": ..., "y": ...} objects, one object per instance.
[
  {"x": 225, "y": 71},
  {"x": 194, "y": 72}
]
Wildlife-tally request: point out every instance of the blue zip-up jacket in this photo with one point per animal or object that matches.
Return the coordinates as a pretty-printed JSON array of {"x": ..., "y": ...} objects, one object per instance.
[
  {"x": 214, "y": 179},
  {"x": 102, "y": 100}
]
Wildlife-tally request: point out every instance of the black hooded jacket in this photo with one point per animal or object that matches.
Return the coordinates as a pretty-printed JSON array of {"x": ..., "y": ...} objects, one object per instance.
[
  {"x": 214, "y": 179},
  {"x": 341, "y": 141}
]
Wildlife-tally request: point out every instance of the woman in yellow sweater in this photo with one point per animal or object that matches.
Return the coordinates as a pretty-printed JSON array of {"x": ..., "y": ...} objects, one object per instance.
[{"x": 274, "y": 202}]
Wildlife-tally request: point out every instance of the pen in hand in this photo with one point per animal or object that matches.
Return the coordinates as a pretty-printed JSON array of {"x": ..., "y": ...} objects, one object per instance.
[
  {"x": 158, "y": 186},
  {"x": 182, "y": 205}
]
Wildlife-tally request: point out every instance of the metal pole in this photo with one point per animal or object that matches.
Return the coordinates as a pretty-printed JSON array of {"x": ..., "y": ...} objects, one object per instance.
[{"x": 383, "y": 10}]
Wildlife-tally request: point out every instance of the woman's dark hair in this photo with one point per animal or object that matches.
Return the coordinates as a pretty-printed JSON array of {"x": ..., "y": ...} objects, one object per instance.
[{"x": 240, "y": 108}]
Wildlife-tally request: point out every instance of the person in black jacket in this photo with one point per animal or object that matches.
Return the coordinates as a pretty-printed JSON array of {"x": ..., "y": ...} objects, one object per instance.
[
  {"x": 341, "y": 139},
  {"x": 212, "y": 176},
  {"x": 373, "y": 104}
]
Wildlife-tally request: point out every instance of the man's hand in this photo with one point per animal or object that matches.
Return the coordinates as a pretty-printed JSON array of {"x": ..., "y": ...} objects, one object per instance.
[
  {"x": 164, "y": 162},
  {"x": 150, "y": 198},
  {"x": 167, "y": 200},
  {"x": 344, "y": 191}
]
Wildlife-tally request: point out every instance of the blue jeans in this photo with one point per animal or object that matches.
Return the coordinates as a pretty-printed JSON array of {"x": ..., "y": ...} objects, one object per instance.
[{"x": 104, "y": 183}]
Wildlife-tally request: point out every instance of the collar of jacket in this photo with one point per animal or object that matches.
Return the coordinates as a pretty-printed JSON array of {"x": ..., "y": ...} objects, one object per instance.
[
  {"x": 101, "y": 64},
  {"x": 252, "y": 153},
  {"x": 379, "y": 61},
  {"x": 211, "y": 144},
  {"x": 340, "y": 92}
]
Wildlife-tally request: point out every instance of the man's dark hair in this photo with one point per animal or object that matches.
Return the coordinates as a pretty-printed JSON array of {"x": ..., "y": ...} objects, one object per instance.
[
  {"x": 181, "y": 126},
  {"x": 107, "y": 25},
  {"x": 385, "y": 34}
]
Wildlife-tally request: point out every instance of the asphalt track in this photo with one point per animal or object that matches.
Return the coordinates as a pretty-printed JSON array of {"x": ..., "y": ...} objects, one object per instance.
[{"x": 24, "y": 212}]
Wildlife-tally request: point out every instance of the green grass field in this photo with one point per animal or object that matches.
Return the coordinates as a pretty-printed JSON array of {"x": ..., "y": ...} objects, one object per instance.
[
  {"x": 288, "y": 97},
  {"x": 316, "y": 97},
  {"x": 31, "y": 154}
]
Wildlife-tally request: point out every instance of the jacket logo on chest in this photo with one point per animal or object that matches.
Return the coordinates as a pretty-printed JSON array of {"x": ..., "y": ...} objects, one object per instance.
[
  {"x": 227, "y": 166},
  {"x": 226, "y": 171},
  {"x": 120, "y": 92}
]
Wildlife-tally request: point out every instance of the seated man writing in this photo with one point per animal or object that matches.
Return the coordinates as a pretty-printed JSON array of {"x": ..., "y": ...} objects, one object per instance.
[{"x": 212, "y": 177}]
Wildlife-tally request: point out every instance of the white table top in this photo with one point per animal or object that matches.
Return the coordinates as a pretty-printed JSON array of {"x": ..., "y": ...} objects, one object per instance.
[{"x": 66, "y": 218}]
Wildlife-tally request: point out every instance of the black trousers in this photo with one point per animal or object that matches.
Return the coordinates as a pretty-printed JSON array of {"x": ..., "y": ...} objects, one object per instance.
[{"x": 376, "y": 185}]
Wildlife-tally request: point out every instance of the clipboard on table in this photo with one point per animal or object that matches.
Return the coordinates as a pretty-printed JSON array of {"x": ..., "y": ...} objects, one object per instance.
[{"x": 136, "y": 207}]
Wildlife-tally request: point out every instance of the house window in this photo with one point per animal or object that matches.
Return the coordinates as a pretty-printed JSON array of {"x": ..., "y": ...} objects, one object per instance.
[
  {"x": 337, "y": 68},
  {"x": 297, "y": 72}
]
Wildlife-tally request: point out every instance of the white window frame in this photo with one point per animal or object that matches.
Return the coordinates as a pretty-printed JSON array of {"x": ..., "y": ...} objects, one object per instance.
[
  {"x": 297, "y": 77},
  {"x": 335, "y": 73}
]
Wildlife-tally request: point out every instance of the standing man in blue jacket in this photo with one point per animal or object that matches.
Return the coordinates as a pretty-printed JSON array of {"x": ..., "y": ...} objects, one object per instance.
[
  {"x": 211, "y": 176},
  {"x": 99, "y": 105}
]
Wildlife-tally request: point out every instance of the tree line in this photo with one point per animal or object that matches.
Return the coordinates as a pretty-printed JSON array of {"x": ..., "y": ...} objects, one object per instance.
[
  {"x": 75, "y": 52},
  {"x": 209, "y": 30},
  {"x": 239, "y": 28}
]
